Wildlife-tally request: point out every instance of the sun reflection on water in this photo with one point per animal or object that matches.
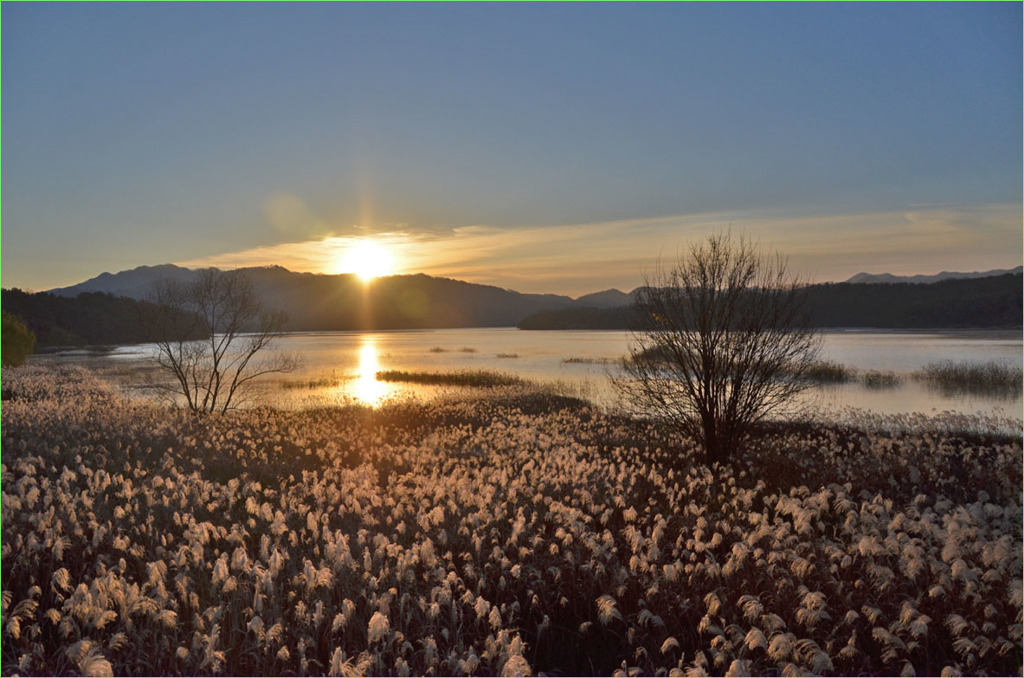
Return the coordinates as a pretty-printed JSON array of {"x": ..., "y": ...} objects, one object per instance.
[{"x": 366, "y": 388}]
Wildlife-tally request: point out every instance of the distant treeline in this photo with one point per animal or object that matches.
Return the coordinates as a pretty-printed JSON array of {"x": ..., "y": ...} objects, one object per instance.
[
  {"x": 90, "y": 319},
  {"x": 408, "y": 302},
  {"x": 980, "y": 302}
]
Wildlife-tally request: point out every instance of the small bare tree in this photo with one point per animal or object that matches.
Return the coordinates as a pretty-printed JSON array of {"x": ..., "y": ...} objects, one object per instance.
[
  {"x": 727, "y": 343},
  {"x": 215, "y": 373}
]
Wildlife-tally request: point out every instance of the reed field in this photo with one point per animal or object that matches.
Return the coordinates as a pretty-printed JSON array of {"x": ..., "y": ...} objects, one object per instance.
[
  {"x": 468, "y": 378},
  {"x": 516, "y": 532},
  {"x": 989, "y": 378}
]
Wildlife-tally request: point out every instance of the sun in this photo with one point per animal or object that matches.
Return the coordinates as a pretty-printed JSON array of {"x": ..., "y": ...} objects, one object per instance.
[{"x": 368, "y": 259}]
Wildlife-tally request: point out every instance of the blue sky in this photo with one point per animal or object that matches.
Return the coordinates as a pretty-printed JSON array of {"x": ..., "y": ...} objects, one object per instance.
[{"x": 543, "y": 147}]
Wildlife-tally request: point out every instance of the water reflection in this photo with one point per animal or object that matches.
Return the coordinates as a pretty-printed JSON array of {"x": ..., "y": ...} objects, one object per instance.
[
  {"x": 340, "y": 367},
  {"x": 366, "y": 387}
]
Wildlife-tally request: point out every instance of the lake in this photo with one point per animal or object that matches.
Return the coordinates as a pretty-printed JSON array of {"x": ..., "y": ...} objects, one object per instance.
[{"x": 341, "y": 366}]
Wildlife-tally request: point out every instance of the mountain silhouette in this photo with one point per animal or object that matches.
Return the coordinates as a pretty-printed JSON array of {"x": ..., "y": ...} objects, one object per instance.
[
  {"x": 989, "y": 301},
  {"x": 605, "y": 299},
  {"x": 319, "y": 302},
  {"x": 945, "y": 275}
]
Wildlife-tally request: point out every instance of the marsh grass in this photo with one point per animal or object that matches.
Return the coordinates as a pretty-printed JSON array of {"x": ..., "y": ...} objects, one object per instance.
[
  {"x": 830, "y": 372},
  {"x": 506, "y": 532},
  {"x": 507, "y": 355},
  {"x": 821, "y": 372},
  {"x": 650, "y": 353},
  {"x": 949, "y": 459},
  {"x": 331, "y": 380},
  {"x": 876, "y": 379},
  {"x": 471, "y": 378},
  {"x": 577, "y": 360},
  {"x": 987, "y": 379}
]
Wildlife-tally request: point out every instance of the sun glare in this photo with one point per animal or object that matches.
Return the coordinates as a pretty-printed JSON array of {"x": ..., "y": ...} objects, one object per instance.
[
  {"x": 367, "y": 388},
  {"x": 367, "y": 259}
]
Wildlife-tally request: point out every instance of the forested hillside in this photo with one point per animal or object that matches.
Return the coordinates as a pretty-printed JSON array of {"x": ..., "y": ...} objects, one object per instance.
[
  {"x": 979, "y": 302},
  {"x": 982, "y": 302},
  {"x": 319, "y": 302},
  {"x": 90, "y": 319}
]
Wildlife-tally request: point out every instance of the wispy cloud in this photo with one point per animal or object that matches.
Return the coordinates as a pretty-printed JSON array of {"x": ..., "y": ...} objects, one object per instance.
[{"x": 579, "y": 258}]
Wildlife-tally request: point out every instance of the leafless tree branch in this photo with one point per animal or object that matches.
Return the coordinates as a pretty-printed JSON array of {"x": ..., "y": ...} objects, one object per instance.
[
  {"x": 727, "y": 342},
  {"x": 212, "y": 373}
]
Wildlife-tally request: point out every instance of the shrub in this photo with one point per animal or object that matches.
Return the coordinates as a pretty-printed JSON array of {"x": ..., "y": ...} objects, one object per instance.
[
  {"x": 726, "y": 345},
  {"x": 18, "y": 341}
]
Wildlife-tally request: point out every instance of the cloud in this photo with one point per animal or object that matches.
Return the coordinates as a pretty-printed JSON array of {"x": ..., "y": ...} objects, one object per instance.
[{"x": 580, "y": 258}]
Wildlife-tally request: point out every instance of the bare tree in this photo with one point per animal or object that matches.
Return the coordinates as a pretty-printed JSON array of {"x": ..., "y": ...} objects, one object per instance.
[
  {"x": 215, "y": 373},
  {"x": 726, "y": 344}
]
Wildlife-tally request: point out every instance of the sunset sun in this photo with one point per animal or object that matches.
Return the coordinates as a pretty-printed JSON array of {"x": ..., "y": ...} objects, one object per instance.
[{"x": 367, "y": 259}]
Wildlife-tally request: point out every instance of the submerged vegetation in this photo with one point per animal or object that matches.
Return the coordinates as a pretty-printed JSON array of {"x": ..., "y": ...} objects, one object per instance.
[
  {"x": 326, "y": 380},
  {"x": 509, "y": 534},
  {"x": 989, "y": 378},
  {"x": 586, "y": 360},
  {"x": 829, "y": 372},
  {"x": 992, "y": 379},
  {"x": 479, "y": 378},
  {"x": 441, "y": 349},
  {"x": 881, "y": 379}
]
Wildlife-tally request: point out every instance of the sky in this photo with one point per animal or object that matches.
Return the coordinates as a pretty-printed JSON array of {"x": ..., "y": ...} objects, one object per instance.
[{"x": 562, "y": 147}]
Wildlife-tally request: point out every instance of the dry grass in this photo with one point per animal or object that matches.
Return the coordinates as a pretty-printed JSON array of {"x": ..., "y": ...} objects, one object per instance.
[{"x": 511, "y": 533}]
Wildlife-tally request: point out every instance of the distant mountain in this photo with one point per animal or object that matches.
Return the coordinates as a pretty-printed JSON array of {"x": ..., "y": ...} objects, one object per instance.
[
  {"x": 992, "y": 301},
  {"x": 317, "y": 302},
  {"x": 606, "y": 299},
  {"x": 945, "y": 275},
  {"x": 343, "y": 302},
  {"x": 134, "y": 284}
]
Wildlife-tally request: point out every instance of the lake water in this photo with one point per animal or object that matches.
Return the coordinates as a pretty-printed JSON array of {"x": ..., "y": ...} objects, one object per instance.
[{"x": 341, "y": 366}]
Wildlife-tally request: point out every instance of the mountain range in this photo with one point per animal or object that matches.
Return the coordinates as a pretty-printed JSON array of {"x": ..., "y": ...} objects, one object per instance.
[
  {"x": 136, "y": 283},
  {"x": 319, "y": 302},
  {"x": 986, "y": 302},
  {"x": 926, "y": 279},
  {"x": 103, "y": 310}
]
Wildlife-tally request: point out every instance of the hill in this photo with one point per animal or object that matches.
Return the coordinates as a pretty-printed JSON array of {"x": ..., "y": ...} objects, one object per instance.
[
  {"x": 318, "y": 302},
  {"x": 993, "y": 301},
  {"x": 344, "y": 302},
  {"x": 133, "y": 284},
  {"x": 938, "y": 277},
  {"x": 606, "y": 299},
  {"x": 105, "y": 309},
  {"x": 90, "y": 319}
]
